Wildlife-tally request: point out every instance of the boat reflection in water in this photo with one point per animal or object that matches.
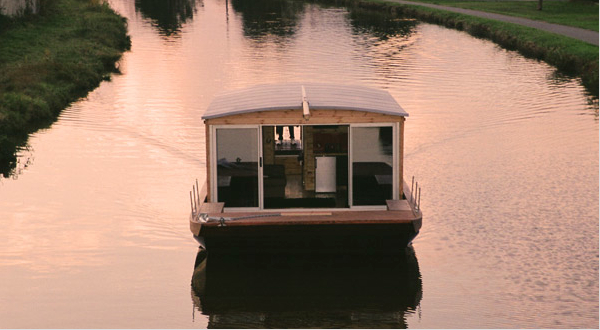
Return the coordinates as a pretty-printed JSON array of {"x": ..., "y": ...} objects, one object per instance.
[{"x": 306, "y": 291}]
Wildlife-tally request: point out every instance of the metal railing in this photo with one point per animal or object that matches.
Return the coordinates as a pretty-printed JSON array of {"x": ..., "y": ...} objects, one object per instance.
[
  {"x": 195, "y": 200},
  {"x": 415, "y": 194}
]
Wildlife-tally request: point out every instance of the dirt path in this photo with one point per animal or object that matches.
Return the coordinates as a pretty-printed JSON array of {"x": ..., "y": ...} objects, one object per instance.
[{"x": 573, "y": 32}]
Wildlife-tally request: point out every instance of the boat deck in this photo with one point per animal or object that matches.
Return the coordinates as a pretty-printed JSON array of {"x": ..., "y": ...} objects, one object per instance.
[{"x": 398, "y": 212}]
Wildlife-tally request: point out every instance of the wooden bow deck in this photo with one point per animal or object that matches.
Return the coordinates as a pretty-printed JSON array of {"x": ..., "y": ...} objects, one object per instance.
[{"x": 306, "y": 231}]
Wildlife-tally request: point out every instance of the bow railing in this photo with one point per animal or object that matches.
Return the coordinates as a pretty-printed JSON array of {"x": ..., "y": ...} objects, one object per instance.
[{"x": 415, "y": 194}]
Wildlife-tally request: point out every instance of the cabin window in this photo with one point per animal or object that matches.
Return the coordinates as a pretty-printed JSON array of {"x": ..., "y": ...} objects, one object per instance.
[
  {"x": 305, "y": 166},
  {"x": 237, "y": 166},
  {"x": 323, "y": 166},
  {"x": 372, "y": 165}
]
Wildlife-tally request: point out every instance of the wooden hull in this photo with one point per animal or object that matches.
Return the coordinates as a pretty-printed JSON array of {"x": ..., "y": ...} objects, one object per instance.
[
  {"x": 340, "y": 237},
  {"x": 307, "y": 231}
]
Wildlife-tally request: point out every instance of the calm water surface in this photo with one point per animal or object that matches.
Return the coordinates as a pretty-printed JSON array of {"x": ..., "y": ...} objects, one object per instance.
[{"x": 94, "y": 221}]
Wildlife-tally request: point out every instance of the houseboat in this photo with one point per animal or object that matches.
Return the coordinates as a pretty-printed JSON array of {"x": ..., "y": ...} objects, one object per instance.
[{"x": 304, "y": 167}]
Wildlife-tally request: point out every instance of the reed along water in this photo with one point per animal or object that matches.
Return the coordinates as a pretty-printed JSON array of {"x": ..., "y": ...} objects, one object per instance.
[{"x": 94, "y": 217}]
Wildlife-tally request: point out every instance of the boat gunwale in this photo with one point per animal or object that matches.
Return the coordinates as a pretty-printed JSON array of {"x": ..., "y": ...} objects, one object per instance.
[
  {"x": 357, "y": 217},
  {"x": 346, "y": 217}
]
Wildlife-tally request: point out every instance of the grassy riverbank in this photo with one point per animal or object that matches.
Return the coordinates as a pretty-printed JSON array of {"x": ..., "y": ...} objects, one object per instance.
[
  {"x": 581, "y": 14},
  {"x": 570, "y": 56},
  {"x": 50, "y": 60}
]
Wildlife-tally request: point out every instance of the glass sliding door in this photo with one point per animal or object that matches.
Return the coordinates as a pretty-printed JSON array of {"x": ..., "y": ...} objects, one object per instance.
[
  {"x": 237, "y": 166},
  {"x": 372, "y": 165}
]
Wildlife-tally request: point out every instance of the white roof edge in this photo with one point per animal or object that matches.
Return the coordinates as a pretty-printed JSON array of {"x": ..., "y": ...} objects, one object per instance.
[{"x": 288, "y": 96}]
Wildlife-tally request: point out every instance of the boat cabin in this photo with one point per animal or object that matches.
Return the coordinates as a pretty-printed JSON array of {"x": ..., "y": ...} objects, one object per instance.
[{"x": 304, "y": 146}]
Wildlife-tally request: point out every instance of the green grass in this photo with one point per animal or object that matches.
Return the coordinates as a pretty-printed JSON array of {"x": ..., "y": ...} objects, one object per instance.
[
  {"x": 50, "y": 60},
  {"x": 581, "y": 14}
]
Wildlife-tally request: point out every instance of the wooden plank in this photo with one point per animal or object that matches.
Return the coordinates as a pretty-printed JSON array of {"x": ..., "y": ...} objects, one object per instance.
[
  {"x": 212, "y": 207},
  {"x": 291, "y": 114},
  {"x": 295, "y": 117},
  {"x": 309, "y": 159},
  {"x": 400, "y": 157},
  {"x": 268, "y": 145},
  {"x": 352, "y": 113},
  {"x": 398, "y": 205},
  {"x": 299, "y": 121},
  {"x": 304, "y": 214},
  {"x": 195, "y": 226},
  {"x": 336, "y": 217},
  {"x": 207, "y": 143},
  {"x": 290, "y": 163}
]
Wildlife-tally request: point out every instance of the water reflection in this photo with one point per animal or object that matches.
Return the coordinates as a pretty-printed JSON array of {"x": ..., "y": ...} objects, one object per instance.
[
  {"x": 262, "y": 18},
  {"x": 167, "y": 15},
  {"x": 307, "y": 291},
  {"x": 381, "y": 25},
  {"x": 8, "y": 157},
  {"x": 16, "y": 161}
]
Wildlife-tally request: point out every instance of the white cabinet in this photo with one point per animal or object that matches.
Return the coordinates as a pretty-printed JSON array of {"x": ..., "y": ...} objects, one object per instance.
[{"x": 325, "y": 174}]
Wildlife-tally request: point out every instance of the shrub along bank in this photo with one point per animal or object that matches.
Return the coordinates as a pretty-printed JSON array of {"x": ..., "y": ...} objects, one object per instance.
[
  {"x": 51, "y": 59},
  {"x": 570, "y": 56}
]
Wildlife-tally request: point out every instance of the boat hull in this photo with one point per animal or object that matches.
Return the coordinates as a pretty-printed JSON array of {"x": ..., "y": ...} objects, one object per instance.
[{"x": 323, "y": 238}]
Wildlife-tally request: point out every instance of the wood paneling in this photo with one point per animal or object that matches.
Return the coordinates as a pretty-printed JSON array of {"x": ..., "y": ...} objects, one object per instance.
[
  {"x": 318, "y": 117},
  {"x": 268, "y": 144},
  {"x": 295, "y": 117},
  {"x": 290, "y": 163},
  {"x": 400, "y": 158},
  {"x": 398, "y": 205},
  {"x": 212, "y": 208},
  {"x": 321, "y": 218},
  {"x": 207, "y": 143},
  {"x": 309, "y": 159}
]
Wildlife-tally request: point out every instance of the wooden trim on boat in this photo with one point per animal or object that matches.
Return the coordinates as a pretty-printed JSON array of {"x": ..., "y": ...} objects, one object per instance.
[
  {"x": 331, "y": 117},
  {"x": 295, "y": 117},
  {"x": 345, "y": 217},
  {"x": 209, "y": 208},
  {"x": 294, "y": 218},
  {"x": 400, "y": 158},
  {"x": 399, "y": 212},
  {"x": 207, "y": 139},
  {"x": 336, "y": 217}
]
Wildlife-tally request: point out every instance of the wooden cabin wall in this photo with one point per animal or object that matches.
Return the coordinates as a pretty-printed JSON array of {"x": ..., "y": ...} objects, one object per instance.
[
  {"x": 290, "y": 164},
  {"x": 294, "y": 117},
  {"x": 335, "y": 135},
  {"x": 207, "y": 143},
  {"x": 268, "y": 133},
  {"x": 309, "y": 159},
  {"x": 401, "y": 158}
]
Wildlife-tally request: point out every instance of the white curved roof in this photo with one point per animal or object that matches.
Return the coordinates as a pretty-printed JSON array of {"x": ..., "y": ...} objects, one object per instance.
[{"x": 288, "y": 96}]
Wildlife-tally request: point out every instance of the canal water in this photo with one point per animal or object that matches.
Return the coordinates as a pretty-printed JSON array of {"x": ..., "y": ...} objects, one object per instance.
[{"x": 94, "y": 218}]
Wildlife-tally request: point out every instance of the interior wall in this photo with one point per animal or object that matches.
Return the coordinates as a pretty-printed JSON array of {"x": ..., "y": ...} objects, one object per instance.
[{"x": 268, "y": 136}]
